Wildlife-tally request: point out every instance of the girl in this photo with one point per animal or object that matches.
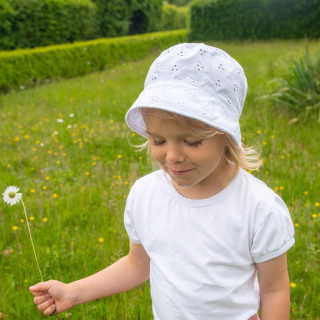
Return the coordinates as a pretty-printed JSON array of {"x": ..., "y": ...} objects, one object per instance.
[{"x": 201, "y": 227}]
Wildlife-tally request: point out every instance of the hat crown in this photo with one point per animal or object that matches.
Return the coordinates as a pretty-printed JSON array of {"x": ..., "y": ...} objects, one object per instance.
[{"x": 203, "y": 67}]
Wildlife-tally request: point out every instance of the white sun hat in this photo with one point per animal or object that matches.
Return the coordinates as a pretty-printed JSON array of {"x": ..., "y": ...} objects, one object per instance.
[{"x": 197, "y": 81}]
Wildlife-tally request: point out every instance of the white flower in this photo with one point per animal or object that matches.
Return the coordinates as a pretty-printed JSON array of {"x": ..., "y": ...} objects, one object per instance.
[
  {"x": 11, "y": 195},
  {"x": 71, "y": 115},
  {"x": 60, "y": 120}
]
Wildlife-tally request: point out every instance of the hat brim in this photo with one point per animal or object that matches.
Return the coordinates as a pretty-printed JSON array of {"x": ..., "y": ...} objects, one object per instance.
[{"x": 188, "y": 101}]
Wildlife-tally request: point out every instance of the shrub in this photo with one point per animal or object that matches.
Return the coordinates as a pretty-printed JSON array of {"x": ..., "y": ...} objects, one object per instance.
[
  {"x": 146, "y": 16},
  {"x": 32, "y": 66},
  {"x": 254, "y": 19},
  {"x": 36, "y": 23},
  {"x": 299, "y": 88},
  {"x": 174, "y": 17}
]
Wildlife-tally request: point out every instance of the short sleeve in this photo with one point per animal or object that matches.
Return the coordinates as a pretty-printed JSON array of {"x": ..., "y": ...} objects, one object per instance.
[
  {"x": 129, "y": 218},
  {"x": 274, "y": 235}
]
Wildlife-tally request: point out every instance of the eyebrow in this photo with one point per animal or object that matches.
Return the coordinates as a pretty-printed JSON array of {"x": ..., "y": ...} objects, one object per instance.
[{"x": 185, "y": 135}]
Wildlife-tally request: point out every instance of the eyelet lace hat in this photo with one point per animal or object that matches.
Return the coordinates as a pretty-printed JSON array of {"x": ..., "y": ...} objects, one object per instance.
[{"x": 196, "y": 81}]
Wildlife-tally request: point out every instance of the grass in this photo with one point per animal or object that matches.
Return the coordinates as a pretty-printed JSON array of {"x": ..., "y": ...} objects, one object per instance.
[{"x": 75, "y": 176}]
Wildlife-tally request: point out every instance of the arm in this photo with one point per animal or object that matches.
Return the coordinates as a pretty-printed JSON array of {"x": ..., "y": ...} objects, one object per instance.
[
  {"x": 274, "y": 289},
  {"x": 125, "y": 274}
]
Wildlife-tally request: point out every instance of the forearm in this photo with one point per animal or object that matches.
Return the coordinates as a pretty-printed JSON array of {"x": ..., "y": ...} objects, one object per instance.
[
  {"x": 121, "y": 276},
  {"x": 275, "y": 305}
]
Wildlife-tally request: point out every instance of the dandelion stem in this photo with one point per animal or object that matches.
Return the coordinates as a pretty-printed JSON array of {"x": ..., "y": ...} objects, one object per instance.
[{"x": 34, "y": 250}]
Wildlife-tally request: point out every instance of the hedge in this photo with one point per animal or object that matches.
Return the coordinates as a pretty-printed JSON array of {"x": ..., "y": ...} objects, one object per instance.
[
  {"x": 33, "y": 23},
  {"x": 174, "y": 17},
  {"x": 33, "y": 66},
  {"x": 254, "y": 19}
]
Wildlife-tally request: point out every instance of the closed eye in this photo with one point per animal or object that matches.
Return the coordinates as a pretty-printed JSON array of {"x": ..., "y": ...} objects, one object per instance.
[
  {"x": 157, "y": 142},
  {"x": 193, "y": 143}
]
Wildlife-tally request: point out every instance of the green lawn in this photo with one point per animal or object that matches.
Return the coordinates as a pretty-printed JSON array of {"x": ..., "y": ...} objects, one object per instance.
[{"x": 65, "y": 144}]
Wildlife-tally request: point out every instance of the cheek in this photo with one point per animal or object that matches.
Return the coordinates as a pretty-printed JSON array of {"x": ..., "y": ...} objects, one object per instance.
[{"x": 157, "y": 153}]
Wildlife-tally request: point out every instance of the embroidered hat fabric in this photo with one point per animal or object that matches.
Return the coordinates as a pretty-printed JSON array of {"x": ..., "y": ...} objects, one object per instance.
[{"x": 197, "y": 81}]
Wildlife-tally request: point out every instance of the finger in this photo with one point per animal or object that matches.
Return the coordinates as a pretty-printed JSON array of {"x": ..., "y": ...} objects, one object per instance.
[
  {"x": 41, "y": 286},
  {"x": 41, "y": 299},
  {"x": 50, "y": 310},
  {"x": 38, "y": 294},
  {"x": 45, "y": 305}
]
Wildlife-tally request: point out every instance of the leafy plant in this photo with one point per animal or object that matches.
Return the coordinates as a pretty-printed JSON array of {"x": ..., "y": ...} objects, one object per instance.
[{"x": 299, "y": 88}]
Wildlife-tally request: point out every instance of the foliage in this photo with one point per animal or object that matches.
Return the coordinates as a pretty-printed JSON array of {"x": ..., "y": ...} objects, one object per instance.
[
  {"x": 34, "y": 23},
  {"x": 299, "y": 88},
  {"x": 174, "y": 17},
  {"x": 179, "y": 3},
  {"x": 254, "y": 19},
  {"x": 70, "y": 60},
  {"x": 146, "y": 16}
]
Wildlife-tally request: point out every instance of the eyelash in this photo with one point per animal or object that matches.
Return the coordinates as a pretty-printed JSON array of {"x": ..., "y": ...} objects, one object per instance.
[{"x": 194, "y": 144}]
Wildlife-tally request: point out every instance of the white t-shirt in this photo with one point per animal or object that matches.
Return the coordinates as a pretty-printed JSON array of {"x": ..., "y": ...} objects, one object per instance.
[{"x": 203, "y": 252}]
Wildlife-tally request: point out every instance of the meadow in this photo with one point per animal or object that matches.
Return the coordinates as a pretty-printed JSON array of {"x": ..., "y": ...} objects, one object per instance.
[{"x": 66, "y": 145}]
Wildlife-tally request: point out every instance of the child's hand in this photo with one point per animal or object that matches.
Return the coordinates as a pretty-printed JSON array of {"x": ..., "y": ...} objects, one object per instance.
[{"x": 50, "y": 296}]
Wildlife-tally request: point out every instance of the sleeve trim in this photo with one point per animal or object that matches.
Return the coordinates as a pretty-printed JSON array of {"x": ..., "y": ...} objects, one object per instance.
[{"x": 275, "y": 254}]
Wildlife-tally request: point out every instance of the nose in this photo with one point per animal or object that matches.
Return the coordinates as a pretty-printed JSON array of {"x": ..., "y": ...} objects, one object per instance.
[{"x": 174, "y": 154}]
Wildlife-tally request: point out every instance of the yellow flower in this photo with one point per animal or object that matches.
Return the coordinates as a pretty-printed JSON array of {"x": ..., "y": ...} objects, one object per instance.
[
  {"x": 55, "y": 195},
  {"x": 8, "y": 165},
  {"x": 47, "y": 178},
  {"x": 317, "y": 204},
  {"x": 14, "y": 228},
  {"x": 281, "y": 188},
  {"x": 16, "y": 139},
  {"x": 44, "y": 187},
  {"x": 292, "y": 285},
  {"x": 87, "y": 173},
  {"x": 296, "y": 224},
  {"x": 31, "y": 218},
  {"x": 22, "y": 220},
  {"x": 119, "y": 156},
  {"x": 314, "y": 215},
  {"x": 272, "y": 137},
  {"x": 32, "y": 190},
  {"x": 45, "y": 219},
  {"x": 258, "y": 131},
  {"x": 100, "y": 239},
  {"x": 306, "y": 192}
]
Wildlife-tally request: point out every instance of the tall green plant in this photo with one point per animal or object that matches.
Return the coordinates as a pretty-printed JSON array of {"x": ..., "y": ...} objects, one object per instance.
[{"x": 299, "y": 88}]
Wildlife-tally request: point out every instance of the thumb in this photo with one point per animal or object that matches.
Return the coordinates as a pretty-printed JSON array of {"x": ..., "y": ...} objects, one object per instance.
[{"x": 41, "y": 286}]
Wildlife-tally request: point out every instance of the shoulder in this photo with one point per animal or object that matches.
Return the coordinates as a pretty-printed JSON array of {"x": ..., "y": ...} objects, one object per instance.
[
  {"x": 255, "y": 189},
  {"x": 154, "y": 182}
]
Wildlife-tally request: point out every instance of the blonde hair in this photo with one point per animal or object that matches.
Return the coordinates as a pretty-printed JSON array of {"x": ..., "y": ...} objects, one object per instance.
[{"x": 247, "y": 158}]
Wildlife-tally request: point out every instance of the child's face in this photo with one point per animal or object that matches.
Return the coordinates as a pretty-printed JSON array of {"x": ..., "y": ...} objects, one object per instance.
[{"x": 196, "y": 166}]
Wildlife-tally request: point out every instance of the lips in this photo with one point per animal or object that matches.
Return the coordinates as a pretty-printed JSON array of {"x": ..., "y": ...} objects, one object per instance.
[{"x": 180, "y": 172}]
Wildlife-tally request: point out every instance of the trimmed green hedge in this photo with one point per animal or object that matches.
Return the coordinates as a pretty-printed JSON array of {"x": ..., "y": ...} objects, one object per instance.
[
  {"x": 174, "y": 17},
  {"x": 33, "y": 23},
  {"x": 33, "y": 66},
  {"x": 254, "y": 19}
]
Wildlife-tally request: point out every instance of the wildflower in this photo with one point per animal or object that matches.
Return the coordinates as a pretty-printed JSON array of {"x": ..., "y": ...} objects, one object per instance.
[
  {"x": 47, "y": 178},
  {"x": 22, "y": 220},
  {"x": 317, "y": 204},
  {"x": 314, "y": 215},
  {"x": 119, "y": 156},
  {"x": 258, "y": 131},
  {"x": 45, "y": 219},
  {"x": 306, "y": 193},
  {"x": 100, "y": 239},
  {"x": 55, "y": 195},
  {"x": 11, "y": 195},
  {"x": 292, "y": 285},
  {"x": 71, "y": 115},
  {"x": 33, "y": 190},
  {"x": 31, "y": 218},
  {"x": 60, "y": 120},
  {"x": 296, "y": 224}
]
